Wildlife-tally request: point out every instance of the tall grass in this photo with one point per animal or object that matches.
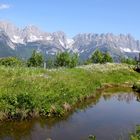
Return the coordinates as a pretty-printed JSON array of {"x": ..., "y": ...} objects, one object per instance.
[{"x": 32, "y": 92}]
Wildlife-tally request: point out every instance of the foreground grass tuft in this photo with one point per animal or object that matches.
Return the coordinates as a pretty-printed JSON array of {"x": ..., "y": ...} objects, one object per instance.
[{"x": 33, "y": 92}]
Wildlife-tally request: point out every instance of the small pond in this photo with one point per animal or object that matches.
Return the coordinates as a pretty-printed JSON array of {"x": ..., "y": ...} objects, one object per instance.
[{"x": 111, "y": 115}]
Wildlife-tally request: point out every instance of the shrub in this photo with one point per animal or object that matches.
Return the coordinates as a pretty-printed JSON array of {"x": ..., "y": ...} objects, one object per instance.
[
  {"x": 36, "y": 60},
  {"x": 130, "y": 61},
  {"x": 73, "y": 61},
  {"x": 50, "y": 63},
  {"x": 136, "y": 87},
  {"x": 64, "y": 59},
  {"x": 107, "y": 58},
  {"x": 10, "y": 61},
  {"x": 136, "y": 135},
  {"x": 99, "y": 57}
]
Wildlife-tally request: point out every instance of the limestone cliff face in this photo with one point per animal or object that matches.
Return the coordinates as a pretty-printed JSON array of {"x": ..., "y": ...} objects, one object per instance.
[{"x": 23, "y": 41}]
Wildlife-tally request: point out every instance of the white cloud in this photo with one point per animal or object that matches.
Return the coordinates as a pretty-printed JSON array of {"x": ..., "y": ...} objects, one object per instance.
[{"x": 4, "y": 6}]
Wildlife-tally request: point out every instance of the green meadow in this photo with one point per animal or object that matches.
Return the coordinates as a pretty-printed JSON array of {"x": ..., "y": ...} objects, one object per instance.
[{"x": 33, "y": 92}]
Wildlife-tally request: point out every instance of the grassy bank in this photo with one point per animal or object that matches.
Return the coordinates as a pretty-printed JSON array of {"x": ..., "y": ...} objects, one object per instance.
[
  {"x": 32, "y": 92},
  {"x": 136, "y": 86}
]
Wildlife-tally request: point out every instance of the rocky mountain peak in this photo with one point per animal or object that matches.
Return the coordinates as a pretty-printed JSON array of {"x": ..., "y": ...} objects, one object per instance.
[{"x": 31, "y": 37}]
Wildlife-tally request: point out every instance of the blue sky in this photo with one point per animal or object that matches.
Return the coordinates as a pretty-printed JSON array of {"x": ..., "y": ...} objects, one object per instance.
[{"x": 75, "y": 16}]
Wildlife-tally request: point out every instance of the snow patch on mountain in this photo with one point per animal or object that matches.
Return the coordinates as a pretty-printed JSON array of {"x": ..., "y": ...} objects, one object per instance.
[
  {"x": 125, "y": 49},
  {"x": 49, "y": 38},
  {"x": 69, "y": 43},
  {"x": 61, "y": 43},
  {"x": 33, "y": 38},
  {"x": 17, "y": 39},
  {"x": 136, "y": 51}
]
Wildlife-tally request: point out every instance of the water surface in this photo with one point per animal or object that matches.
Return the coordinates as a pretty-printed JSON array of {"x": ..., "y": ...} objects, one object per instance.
[{"x": 109, "y": 116}]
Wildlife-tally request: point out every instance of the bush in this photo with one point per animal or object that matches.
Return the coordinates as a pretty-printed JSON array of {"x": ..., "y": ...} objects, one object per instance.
[
  {"x": 36, "y": 60},
  {"x": 107, "y": 58},
  {"x": 99, "y": 57},
  {"x": 10, "y": 61},
  {"x": 87, "y": 62},
  {"x": 64, "y": 59},
  {"x": 50, "y": 63},
  {"x": 136, "y": 135},
  {"x": 136, "y": 87},
  {"x": 129, "y": 61},
  {"x": 73, "y": 61}
]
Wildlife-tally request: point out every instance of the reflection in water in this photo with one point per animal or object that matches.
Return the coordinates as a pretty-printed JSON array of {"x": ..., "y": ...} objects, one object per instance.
[
  {"x": 106, "y": 115},
  {"x": 121, "y": 97}
]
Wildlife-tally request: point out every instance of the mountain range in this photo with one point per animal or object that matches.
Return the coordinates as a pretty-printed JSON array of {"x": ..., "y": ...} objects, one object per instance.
[{"x": 21, "y": 42}]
